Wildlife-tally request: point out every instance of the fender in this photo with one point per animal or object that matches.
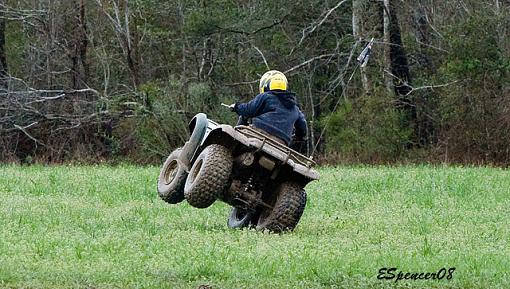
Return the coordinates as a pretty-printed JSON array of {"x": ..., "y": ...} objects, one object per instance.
[{"x": 198, "y": 127}]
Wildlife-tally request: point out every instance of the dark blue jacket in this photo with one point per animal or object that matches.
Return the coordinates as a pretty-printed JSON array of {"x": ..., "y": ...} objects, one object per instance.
[{"x": 275, "y": 112}]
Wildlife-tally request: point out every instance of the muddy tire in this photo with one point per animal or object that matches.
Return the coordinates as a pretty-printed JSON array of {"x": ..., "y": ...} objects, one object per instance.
[
  {"x": 289, "y": 201},
  {"x": 239, "y": 218},
  {"x": 209, "y": 176},
  {"x": 172, "y": 179}
]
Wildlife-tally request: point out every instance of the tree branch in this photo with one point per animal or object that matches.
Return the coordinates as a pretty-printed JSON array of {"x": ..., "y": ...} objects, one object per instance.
[
  {"x": 263, "y": 57},
  {"x": 23, "y": 129},
  {"x": 299, "y": 66},
  {"x": 309, "y": 30}
]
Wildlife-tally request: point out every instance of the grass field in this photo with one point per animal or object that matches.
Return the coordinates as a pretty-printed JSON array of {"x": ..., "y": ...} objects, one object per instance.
[{"x": 104, "y": 227}]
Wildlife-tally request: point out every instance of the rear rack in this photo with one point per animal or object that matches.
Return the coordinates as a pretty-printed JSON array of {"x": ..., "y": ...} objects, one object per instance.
[{"x": 267, "y": 140}]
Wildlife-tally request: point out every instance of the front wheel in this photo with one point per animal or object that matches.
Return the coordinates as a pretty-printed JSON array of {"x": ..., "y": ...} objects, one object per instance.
[
  {"x": 288, "y": 202},
  {"x": 208, "y": 176},
  {"x": 239, "y": 218},
  {"x": 172, "y": 178}
]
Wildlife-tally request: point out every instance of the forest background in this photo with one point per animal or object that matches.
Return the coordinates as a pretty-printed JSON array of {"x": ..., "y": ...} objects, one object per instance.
[{"x": 118, "y": 80}]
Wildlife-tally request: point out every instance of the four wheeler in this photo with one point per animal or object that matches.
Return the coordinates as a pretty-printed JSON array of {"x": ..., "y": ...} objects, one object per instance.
[{"x": 261, "y": 178}]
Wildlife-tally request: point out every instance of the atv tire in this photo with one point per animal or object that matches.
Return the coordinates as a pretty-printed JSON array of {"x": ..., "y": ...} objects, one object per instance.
[
  {"x": 172, "y": 179},
  {"x": 209, "y": 176},
  {"x": 289, "y": 201},
  {"x": 239, "y": 218}
]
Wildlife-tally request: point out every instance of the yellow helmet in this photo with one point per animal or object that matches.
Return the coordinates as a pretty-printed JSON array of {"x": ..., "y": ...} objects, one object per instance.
[{"x": 273, "y": 80}]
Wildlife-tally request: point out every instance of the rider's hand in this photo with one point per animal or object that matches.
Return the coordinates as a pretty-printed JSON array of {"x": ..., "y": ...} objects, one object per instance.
[
  {"x": 296, "y": 138},
  {"x": 232, "y": 107}
]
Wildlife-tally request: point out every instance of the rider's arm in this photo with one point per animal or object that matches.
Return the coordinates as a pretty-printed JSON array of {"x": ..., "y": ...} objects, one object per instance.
[
  {"x": 252, "y": 108},
  {"x": 301, "y": 127}
]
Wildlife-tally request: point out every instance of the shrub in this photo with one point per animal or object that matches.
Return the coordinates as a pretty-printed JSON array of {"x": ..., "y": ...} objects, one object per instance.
[{"x": 367, "y": 129}]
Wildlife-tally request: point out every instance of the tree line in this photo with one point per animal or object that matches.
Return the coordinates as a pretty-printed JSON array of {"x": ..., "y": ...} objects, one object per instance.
[{"x": 119, "y": 79}]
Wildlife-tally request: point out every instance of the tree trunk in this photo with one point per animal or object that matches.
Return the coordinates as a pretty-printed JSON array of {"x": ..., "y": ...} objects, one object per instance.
[
  {"x": 357, "y": 16},
  {"x": 398, "y": 57},
  {"x": 80, "y": 68},
  {"x": 131, "y": 46},
  {"x": 388, "y": 45},
  {"x": 502, "y": 9},
  {"x": 133, "y": 66},
  {"x": 367, "y": 23},
  {"x": 400, "y": 80},
  {"x": 422, "y": 34},
  {"x": 3, "y": 59},
  {"x": 51, "y": 39}
]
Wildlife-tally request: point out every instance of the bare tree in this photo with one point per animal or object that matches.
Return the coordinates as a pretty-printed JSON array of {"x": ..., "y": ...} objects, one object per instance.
[
  {"x": 387, "y": 25},
  {"x": 421, "y": 31},
  {"x": 367, "y": 22},
  {"x": 80, "y": 69},
  {"x": 357, "y": 18},
  {"x": 120, "y": 18},
  {"x": 3, "y": 59}
]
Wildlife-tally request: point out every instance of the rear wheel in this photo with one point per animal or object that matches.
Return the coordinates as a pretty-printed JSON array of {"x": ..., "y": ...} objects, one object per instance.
[
  {"x": 208, "y": 176},
  {"x": 172, "y": 179},
  {"x": 288, "y": 202}
]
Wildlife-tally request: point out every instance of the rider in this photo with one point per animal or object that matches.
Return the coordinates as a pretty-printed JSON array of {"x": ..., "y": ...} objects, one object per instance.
[{"x": 274, "y": 110}]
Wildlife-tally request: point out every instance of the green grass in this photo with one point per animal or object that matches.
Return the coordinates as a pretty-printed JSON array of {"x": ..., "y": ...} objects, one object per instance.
[{"x": 104, "y": 227}]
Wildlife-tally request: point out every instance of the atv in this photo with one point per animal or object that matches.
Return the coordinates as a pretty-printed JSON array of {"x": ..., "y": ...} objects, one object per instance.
[{"x": 261, "y": 178}]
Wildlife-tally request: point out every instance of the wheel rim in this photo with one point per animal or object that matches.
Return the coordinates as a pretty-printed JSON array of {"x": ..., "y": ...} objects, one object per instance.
[
  {"x": 239, "y": 218},
  {"x": 196, "y": 170},
  {"x": 170, "y": 172},
  {"x": 240, "y": 214}
]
